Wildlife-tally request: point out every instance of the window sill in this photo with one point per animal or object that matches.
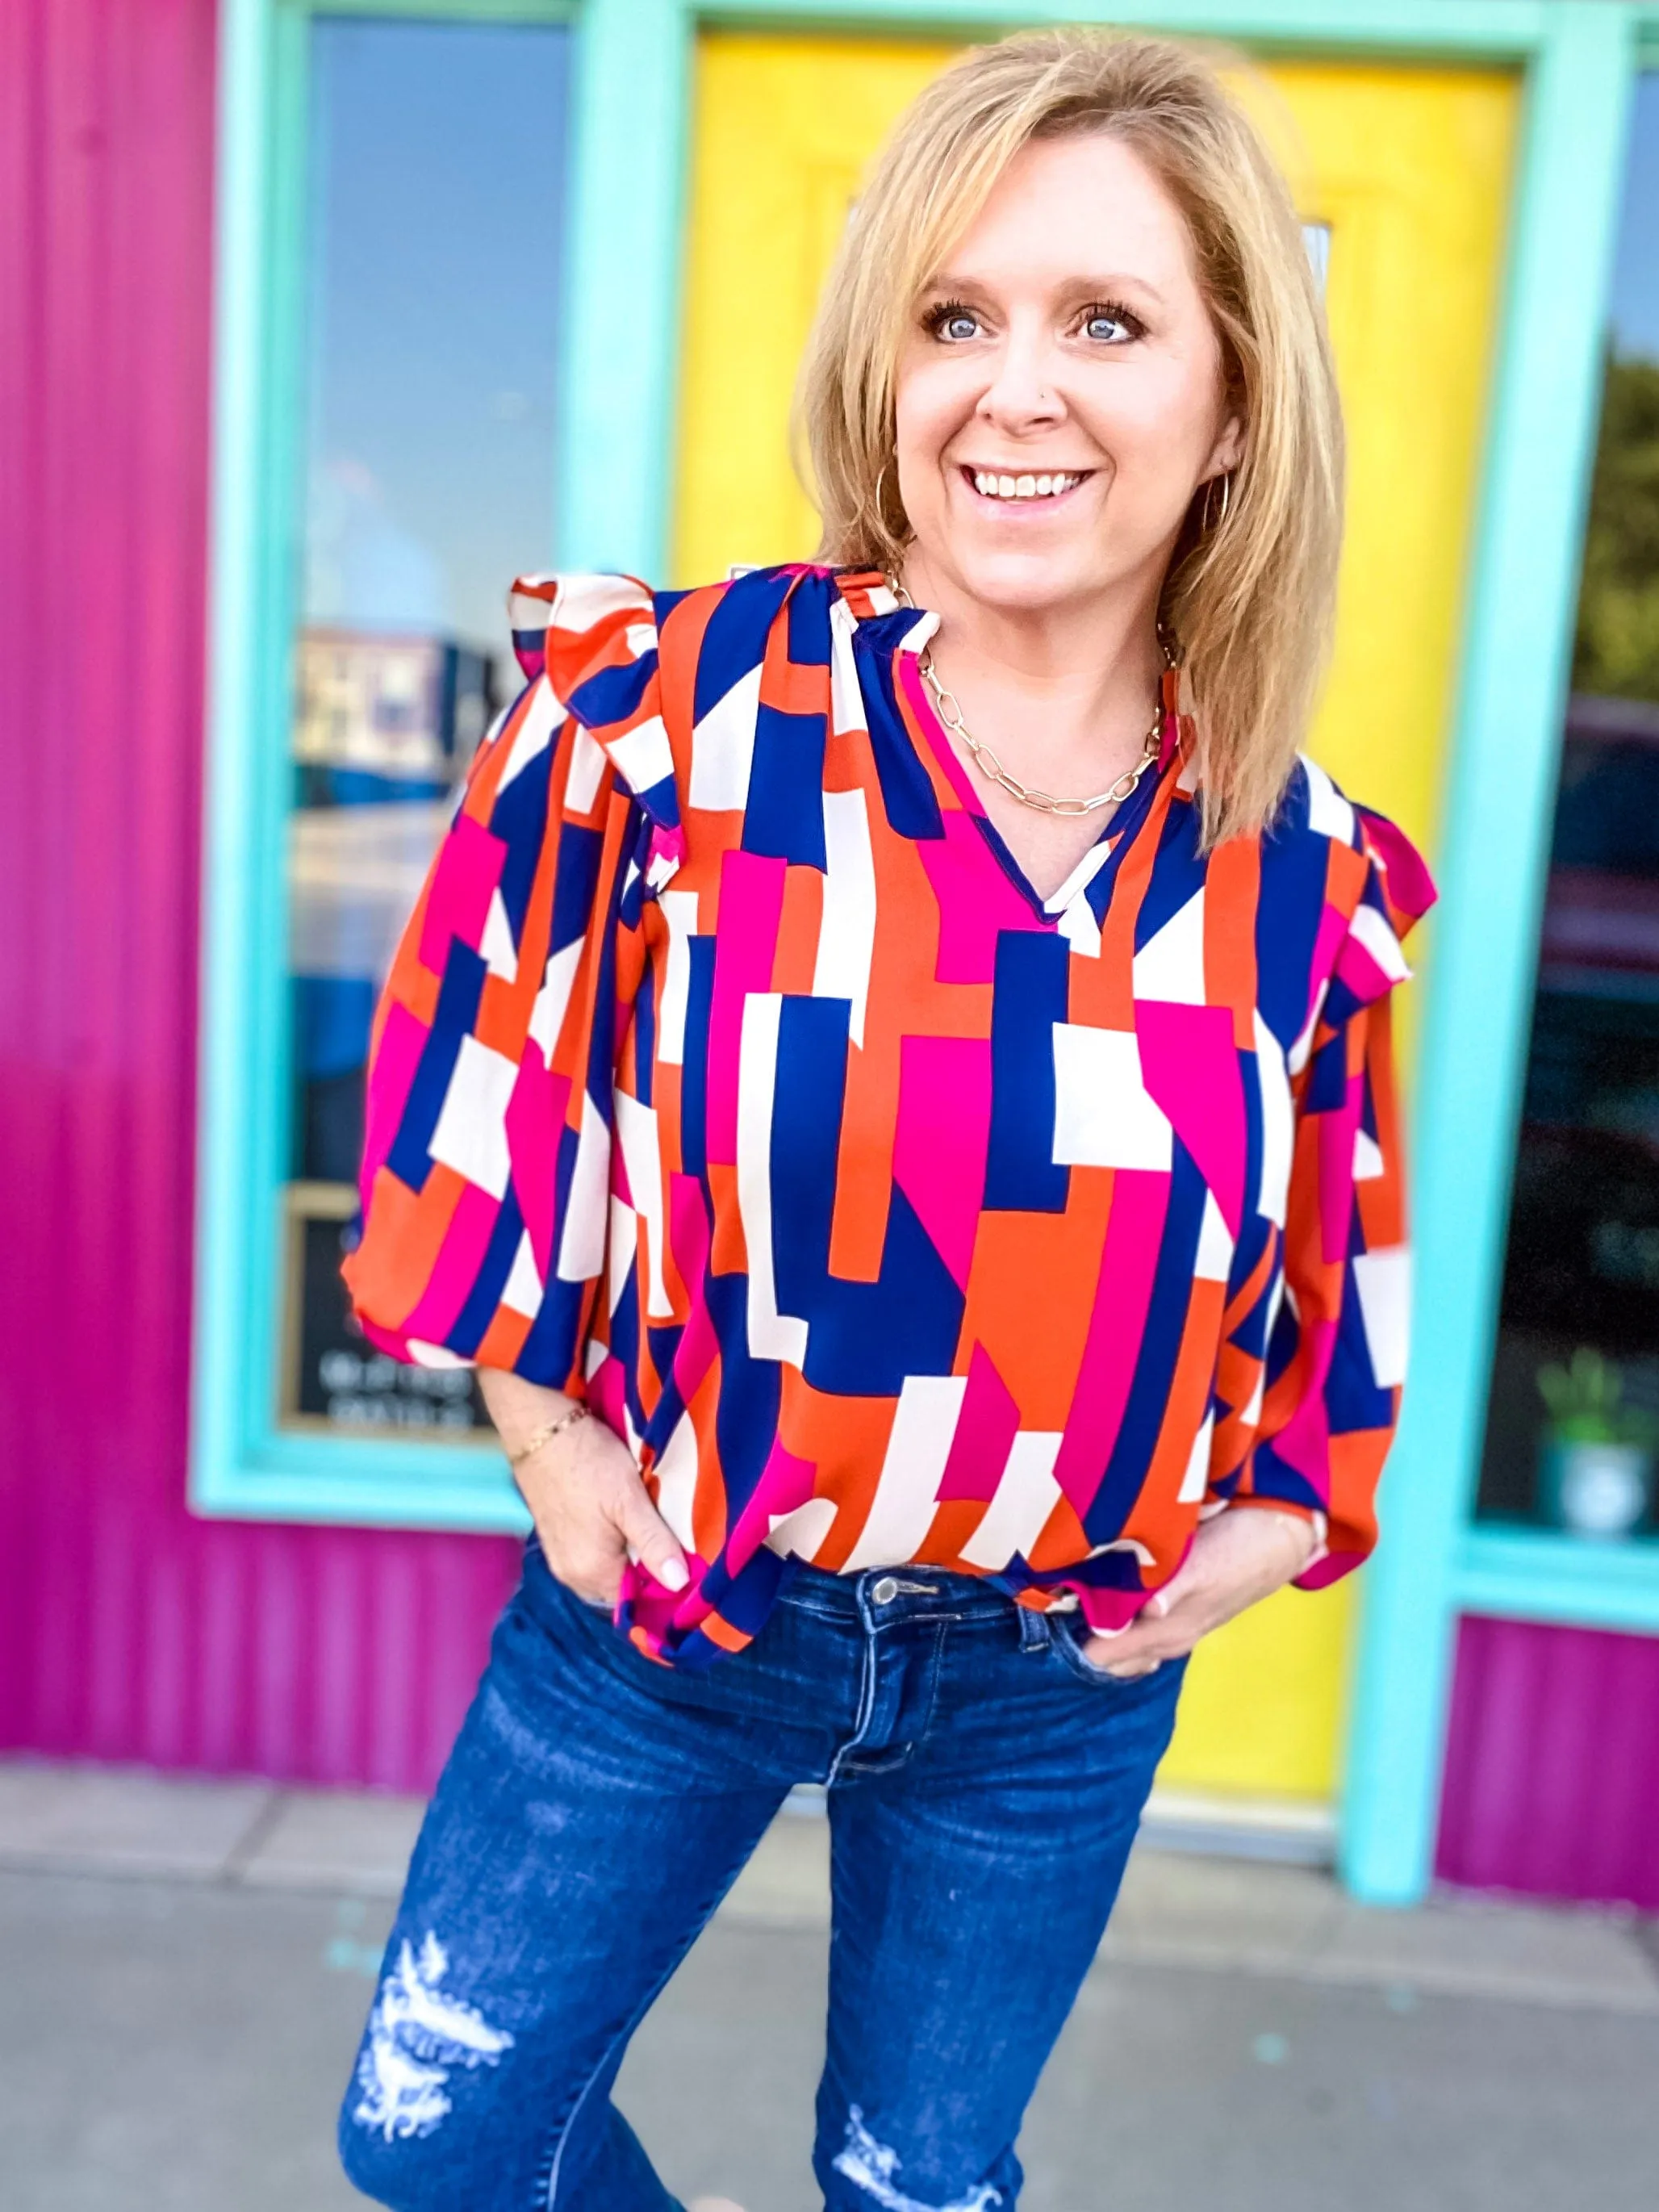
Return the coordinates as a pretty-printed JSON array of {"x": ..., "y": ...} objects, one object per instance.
[
  {"x": 364, "y": 1481},
  {"x": 1520, "y": 1573}
]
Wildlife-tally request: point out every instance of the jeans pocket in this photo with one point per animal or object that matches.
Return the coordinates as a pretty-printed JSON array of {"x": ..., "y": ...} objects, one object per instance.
[
  {"x": 601, "y": 1606},
  {"x": 542, "y": 1586},
  {"x": 1067, "y": 1635}
]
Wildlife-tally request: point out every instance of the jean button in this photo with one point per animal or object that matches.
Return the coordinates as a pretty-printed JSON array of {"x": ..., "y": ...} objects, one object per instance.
[{"x": 886, "y": 1590}]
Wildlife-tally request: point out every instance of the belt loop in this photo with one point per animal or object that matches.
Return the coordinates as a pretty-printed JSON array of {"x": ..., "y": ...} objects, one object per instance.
[
  {"x": 1033, "y": 1628},
  {"x": 862, "y": 1586}
]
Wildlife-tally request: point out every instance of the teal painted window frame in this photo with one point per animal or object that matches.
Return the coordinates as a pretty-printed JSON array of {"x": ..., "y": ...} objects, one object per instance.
[
  {"x": 631, "y": 86},
  {"x": 243, "y": 1464}
]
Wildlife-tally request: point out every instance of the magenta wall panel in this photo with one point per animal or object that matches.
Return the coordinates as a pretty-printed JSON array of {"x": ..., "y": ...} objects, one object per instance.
[
  {"x": 129, "y": 1630},
  {"x": 1553, "y": 1766}
]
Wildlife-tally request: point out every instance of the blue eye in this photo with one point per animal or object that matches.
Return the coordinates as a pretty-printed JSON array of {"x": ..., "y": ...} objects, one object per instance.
[
  {"x": 1109, "y": 325},
  {"x": 954, "y": 323}
]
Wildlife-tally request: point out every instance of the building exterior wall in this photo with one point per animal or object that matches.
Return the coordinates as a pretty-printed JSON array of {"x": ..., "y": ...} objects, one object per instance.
[
  {"x": 1552, "y": 1764},
  {"x": 128, "y": 1629}
]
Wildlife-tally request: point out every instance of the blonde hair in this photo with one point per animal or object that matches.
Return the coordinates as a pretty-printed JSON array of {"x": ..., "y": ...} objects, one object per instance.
[{"x": 1249, "y": 598}]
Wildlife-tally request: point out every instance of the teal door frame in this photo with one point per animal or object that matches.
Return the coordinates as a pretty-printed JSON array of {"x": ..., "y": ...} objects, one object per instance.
[
  {"x": 613, "y": 475},
  {"x": 1497, "y": 816}
]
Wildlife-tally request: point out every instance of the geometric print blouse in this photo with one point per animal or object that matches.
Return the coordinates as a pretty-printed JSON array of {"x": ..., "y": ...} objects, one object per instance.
[{"x": 732, "y": 1076}]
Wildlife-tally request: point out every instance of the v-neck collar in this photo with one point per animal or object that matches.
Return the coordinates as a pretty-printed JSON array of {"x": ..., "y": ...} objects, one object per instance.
[{"x": 901, "y": 642}]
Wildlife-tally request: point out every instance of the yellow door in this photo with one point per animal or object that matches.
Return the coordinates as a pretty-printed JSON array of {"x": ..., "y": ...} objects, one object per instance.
[{"x": 1409, "y": 170}]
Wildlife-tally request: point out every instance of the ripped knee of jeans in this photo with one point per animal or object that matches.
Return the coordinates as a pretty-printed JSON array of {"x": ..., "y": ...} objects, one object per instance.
[
  {"x": 874, "y": 2167},
  {"x": 418, "y": 2036}
]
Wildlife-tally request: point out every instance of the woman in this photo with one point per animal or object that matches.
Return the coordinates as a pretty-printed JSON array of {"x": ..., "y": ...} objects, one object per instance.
[{"x": 932, "y": 1249}]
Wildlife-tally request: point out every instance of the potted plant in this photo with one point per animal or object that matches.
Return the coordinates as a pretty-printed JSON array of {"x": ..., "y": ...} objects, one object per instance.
[{"x": 1596, "y": 1477}]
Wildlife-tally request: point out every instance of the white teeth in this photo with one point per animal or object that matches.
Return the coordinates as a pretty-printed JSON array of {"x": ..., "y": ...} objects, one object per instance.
[{"x": 991, "y": 486}]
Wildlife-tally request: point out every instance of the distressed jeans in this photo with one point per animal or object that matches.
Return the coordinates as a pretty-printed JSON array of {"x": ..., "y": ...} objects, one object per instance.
[{"x": 984, "y": 1781}]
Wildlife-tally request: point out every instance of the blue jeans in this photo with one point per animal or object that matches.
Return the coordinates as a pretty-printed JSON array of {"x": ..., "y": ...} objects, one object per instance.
[{"x": 985, "y": 1782}]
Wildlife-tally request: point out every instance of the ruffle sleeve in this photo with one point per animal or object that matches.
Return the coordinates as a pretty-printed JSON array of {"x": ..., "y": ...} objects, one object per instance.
[
  {"x": 1336, "y": 1350},
  {"x": 490, "y": 1099}
]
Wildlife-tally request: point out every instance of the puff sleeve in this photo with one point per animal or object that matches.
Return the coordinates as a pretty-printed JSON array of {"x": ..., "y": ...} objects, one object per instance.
[
  {"x": 1335, "y": 1352},
  {"x": 491, "y": 1080}
]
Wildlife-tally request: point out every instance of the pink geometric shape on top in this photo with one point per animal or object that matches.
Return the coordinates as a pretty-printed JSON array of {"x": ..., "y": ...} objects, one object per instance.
[
  {"x": 607, "y": 1393},
  {"x": 939, "y": 1143},
  {"x": 535, "y": 1130},
  {"x": 469, "y": 868},
  {"x": 975, "y": 901},
  {"x": 688, "y": 1239},
  {"x": 1327, "y": 950},
  {"x": 1109, "y": 1612},
  {"x": 666, "y": 854},
  {"x": 1357, "y": 966},
  {"x": 1304, "y": 1441},
  {"x": 1123, "y": 1291},
  {"x": 746, "y": 938},
  {"x": 786, "y": 1482},
  {"x": 456, "y": 1267},
  {"x": 645, "y": 1604},
  {"x": 1410, "y": 888},
  {"x": 403, "y": 1041},
  {"x": 984, "y": 1432},
  {"x": 1189, "y": 1064}
]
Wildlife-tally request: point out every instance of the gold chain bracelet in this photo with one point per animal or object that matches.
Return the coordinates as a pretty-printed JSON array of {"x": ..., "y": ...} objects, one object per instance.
[{"x": 546, "y": 1433}]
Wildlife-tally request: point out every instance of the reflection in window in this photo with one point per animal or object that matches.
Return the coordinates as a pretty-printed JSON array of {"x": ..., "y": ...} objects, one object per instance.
[
  {"x": 1572, "y": 1436},
  {"x": 433, "y": 215}
]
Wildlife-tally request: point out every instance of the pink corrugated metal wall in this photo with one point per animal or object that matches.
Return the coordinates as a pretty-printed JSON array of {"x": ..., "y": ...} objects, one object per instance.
[
  {"x": 1553, "y": 1768},
  {"x": 128, "y": 1630}
]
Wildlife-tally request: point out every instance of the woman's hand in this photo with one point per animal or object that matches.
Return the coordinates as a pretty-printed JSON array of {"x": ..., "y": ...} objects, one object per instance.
[
  {"x": 1238, "y": 1559},
  {"x": 585, "y": 1496}
]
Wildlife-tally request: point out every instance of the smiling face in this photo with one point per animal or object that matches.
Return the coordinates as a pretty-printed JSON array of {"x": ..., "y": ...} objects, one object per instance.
[{"x": 1059, "y": 392}]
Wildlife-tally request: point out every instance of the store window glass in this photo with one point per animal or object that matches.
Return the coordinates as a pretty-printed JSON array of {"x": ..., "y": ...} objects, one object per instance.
[
  {"x": 434, "y": 205},
  {"x": 1572, "y": 1436}
]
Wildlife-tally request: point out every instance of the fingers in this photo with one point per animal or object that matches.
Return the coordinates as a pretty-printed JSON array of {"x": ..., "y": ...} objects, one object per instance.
[
  {"x": 648, "y": 1535},
  {"x": 592, "y": 1508},
  {"x": 1128, "y": 1655},
  {"x": 1164, "y": 1628},
  {"x": 1235, "y": 1559},
  {"x": 1188, "y": 1582},
  {"x": 588, "y": 1560}
]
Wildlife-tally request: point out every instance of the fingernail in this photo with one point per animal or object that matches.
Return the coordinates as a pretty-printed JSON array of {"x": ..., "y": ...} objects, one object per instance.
[{"x": 672, "y": 1574}]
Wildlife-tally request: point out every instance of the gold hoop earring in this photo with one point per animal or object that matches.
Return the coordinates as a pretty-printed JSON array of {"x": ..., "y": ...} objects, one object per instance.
[
  {"x": 1226, "y": 482},
  {"x": 881, "y": 512}
]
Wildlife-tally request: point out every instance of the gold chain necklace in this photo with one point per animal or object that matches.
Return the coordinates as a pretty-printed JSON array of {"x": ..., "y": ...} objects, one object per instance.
[{"x": 948, "y": 708}]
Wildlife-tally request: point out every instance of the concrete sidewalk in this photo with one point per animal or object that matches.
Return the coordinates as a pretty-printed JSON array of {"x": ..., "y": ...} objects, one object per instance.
[{"x": 187, "y": 1965}]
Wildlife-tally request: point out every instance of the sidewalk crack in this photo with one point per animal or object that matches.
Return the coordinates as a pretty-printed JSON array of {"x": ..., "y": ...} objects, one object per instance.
[{"x": 254, "y": 1838}]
